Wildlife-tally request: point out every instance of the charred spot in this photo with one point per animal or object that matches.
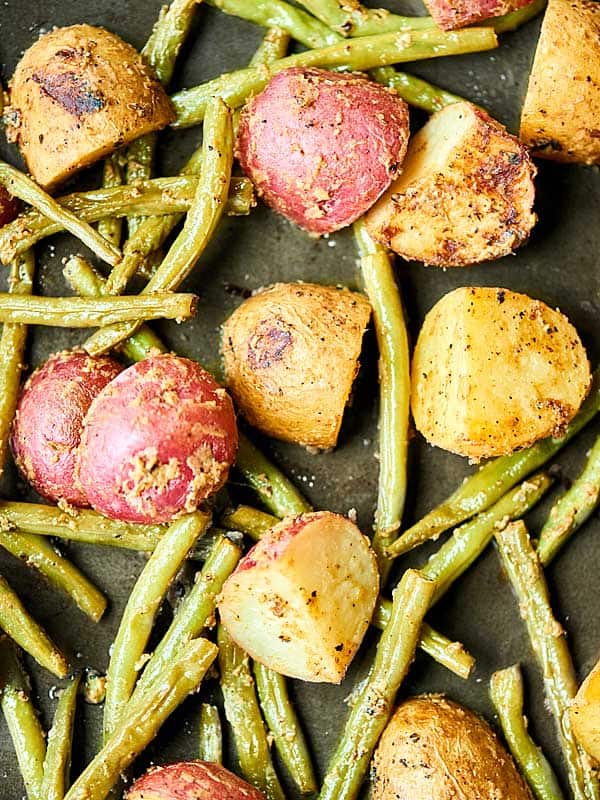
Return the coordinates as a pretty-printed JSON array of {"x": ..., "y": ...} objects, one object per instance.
[
  {"x": 67, "y": 53},
  {"x": 9, "y": 207},
  {"x": 70, "y": 91},
  {"x": 500, "y": 295},
  {"x": 268, "y": 343}
]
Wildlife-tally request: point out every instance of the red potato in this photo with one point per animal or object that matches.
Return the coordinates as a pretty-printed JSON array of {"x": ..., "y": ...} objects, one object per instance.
[
  {"x": 192, "y": 780},
  {"x": 157, "y": 442},
  {"x": 321, "y": 147},
  {"x": 450, "y": 14},
  {"x": 301, "y": 600},
  {"x": 46, "y": 432},
  {"x": 9, "y": 207}
]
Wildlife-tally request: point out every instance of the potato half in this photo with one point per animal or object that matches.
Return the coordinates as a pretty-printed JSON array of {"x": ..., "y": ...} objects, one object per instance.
[
  {"x": 465, "y": 193},
  {"x": 451, "y": 14},
  {"x": 77, "y": 94},
  {"x": 585, "y": 713},
  {"x": 494, "y": 370},
  {"x": 301, "y": 601},
  {"x": 561, "y": 113},
  {"x": 434, "y": 749},
  {"x": 291, "y": 356}
]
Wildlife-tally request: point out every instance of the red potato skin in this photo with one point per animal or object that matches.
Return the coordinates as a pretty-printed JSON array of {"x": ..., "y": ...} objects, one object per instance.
[
  {"x": 192, "y": 780},
  {"x": 321, "y": 146},
  {"x": 9, "y": 207},
  {"x": 157, "y": 442},
  {"x": 47, "y": 429},
  {"x": 451, "y": 14}
]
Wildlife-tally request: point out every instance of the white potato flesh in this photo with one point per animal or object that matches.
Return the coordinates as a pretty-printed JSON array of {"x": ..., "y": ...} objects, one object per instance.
[{"x": 301, "y": 600}]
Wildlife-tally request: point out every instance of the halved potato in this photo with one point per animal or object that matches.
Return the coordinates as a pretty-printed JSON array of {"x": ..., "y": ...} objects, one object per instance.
[
  {"x": 451, "y": 14},
  {"x": 465, "y": 193},
  {"x": 77, "y": 94},
  {"x": 561, "y": 113},
  {"x": 301, "y": 601},
  {"x": 494, "y": 370},
  {"x": 585, "y": 713}
]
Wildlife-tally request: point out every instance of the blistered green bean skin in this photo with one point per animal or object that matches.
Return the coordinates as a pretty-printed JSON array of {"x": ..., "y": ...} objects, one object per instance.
[
  {"x": 549, "y": 645},
  {"x": 57, "y": 764},
  {"x": 210, "y": 746},
  {"x": 21, "y": 719},
  {"x": 506, "y": 693},
  {"x": 373, "y": 707}
]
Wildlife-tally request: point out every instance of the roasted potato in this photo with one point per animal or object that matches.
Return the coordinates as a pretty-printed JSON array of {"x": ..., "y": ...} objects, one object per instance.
[
  {"x": 494, "y": 370},
  {"x": 465, "y": 193},
  {"x": 77, "y": 94},
  {"x": 301, "y": 600},
  {"x": 291, "y": 356},
  {"x": 585, "y": 713},
  {"x": 322, "y": 146},
  {"x": 450, "y": 14},
  {"x": 192, "y": 780},
  {"x": 434, "y": 749},
  {"x": 561, "y": 114}
]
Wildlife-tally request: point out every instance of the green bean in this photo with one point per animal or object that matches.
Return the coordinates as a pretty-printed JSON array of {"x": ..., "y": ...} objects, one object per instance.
[
  {"x": 415, "y": 91},
  {"x": 111, "y": 228},
  {"x": 373, "y": 707},
  {"x": 243, "y": 714},
  {"x": 360, "y": 54},
  {"x": 494, "y": 479},
  {"x": 273, "y": 46},
  {"x": 285, "y": 728},
  {"x": 77, "y": 525},
  {"x": 57, "y": 764},
  {"x": 211, "y": 736},
  {"x": 158, "y": 197},
  {"x": 275, "y": 491},
  {"x": 353, "y": 19},
  {"x": 142, "y": 606},
  {"x": 16, "y": 621},
  {"x": 83, "y": 312},
  {"x": 200, "y": 223},
  {"x": 549, "y": 645},
  {"x": 143, "y": 721},
  {"x": 248, "y": 520},
  {"x": 195, "y": 611},
  {"x": 506, "y": 693},
  {"x": 19, "y": 185},
  {"x": 394, "y": 391},
  {"x": 515, "y": 19},
  {"x": 572, "y": 509},
  {"x": 21, "y": 719},
  {"x": 12, "y": 351},
  {"x": 36, "y": 552}
]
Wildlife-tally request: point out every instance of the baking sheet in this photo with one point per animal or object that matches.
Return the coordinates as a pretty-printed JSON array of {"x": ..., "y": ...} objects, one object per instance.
[{"x": 559, "y": 266}]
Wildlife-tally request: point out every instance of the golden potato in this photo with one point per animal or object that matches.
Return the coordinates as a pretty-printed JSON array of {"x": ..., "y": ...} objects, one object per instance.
[
  {"x": 561, "y": 114},
  {"x": 494, "y": 370},
  {"x": 433, "y": 748},
  {"x": 77, "y": 94},
  {"x": 465, "y": 193},
  {"x": 291, "y": 356},
  {"x": 585, "y": 713}
]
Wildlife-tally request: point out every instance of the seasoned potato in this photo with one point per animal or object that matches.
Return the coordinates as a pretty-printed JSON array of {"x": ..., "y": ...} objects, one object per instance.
[
  {"x": 494, "y": 371},
  {"x": 301, "y": 601},
  {"x": 291, "y": 356},
  {"x": 77, "y": 94},
  {"x": 450, "y": 14},
  {"x": 465, "y": 193},
  {"x": 434, "y": 749},
  {"x": 561, "y": 113},
  {"x": 192, "y": 780},
  {"x": 585, "y": 713},
  {"x": 321, "y": 147}
]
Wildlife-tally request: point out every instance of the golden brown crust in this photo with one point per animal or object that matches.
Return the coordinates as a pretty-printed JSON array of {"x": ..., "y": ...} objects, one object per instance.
[
  {"x": 561, "y": 113},
  {"x": 291, "y": 356},
  {"x": 465, "y": 193},
  {"x": 585, "y": 713},
  {"x": 77, "y": 94},
  {"x": 434, "y": 748}
]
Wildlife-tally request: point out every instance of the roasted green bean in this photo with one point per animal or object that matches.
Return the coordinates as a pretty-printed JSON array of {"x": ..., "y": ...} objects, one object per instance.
[
  {"x": 19, "y": 185},
  {"x": 248, "y": 520},
  {"x": 549, "y": 645},
  {"x": 373, "y": 707},
  {"x": 361, "y": 54},
  {"x": 111, "y": 228},
  {"x": 57, "y": 764},
  {"x": 506, "y": 693},
  {"x": 211, "y": 736},
  {"x": 143, "y": 721},
  {"x": 572, "y": 509},
  {"x": 16, "y": 621},
  {"x": 38, "y": 553},
  {"x": 494, "y": 479},
  {"x": 142, "y": 606},
  {"x": 415, "y": 91},
  {"x": 353, "y": 19},
  {"x": 21, "y": 719},
  {"x": 515, "y": 19}
]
